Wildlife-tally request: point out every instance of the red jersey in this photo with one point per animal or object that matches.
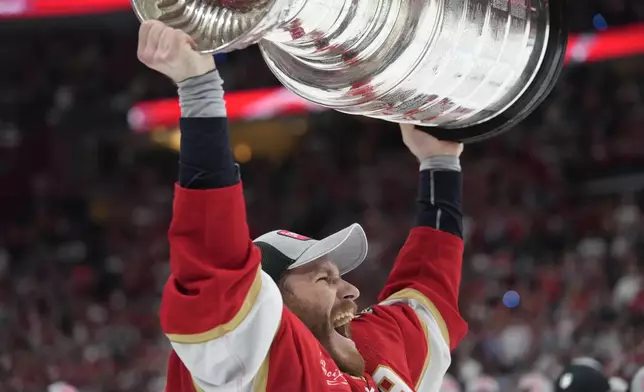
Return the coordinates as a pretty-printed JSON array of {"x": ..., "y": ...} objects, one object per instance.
[{"x": 230, "y": 330}]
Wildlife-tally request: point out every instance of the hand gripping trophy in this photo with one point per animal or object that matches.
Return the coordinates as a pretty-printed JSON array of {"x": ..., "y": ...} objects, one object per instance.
[{"x": 464, "y": 70}]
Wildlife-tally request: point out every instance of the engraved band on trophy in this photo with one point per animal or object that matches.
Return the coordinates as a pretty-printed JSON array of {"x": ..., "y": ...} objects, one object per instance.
[{"x": 462, "y": 69}]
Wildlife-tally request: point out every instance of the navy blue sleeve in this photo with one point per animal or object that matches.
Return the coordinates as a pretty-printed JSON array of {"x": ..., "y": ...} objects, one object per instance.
[
  {"x": 439, "y": 201},
  {"x": 205, "y": 157}
]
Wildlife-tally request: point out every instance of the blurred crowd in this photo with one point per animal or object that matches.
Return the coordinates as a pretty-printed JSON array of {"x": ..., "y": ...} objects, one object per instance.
[{"x": 553, "y": 212}]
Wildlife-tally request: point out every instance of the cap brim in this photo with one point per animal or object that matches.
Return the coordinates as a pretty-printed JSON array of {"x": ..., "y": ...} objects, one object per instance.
[{"x": 347, "y": 249}]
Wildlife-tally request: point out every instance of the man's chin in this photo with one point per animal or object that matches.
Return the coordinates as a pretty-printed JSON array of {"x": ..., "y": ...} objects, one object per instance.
[{"x": 345, "y": 354}]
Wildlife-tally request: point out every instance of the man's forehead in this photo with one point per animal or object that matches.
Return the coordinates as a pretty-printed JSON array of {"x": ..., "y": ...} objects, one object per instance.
[{"x": 324, "y": 263}]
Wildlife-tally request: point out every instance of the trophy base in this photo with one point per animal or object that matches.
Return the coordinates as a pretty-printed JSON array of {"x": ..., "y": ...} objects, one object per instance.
[{"x": 541, "y": 86}]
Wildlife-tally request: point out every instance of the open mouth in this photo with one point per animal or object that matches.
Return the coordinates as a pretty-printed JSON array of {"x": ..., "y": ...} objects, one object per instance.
[{"x": 341, "y": 324}]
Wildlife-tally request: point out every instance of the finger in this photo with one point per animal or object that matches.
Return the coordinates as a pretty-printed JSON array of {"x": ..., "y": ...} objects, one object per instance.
[
  {"x": 407, "y": 128},
  {"x": 144, "y": 30},
  {"x": 166, "y": 39},
  {"x": 181, "y": 42},
  {"x": 153, "y": 39},
  {"x": 192, "y": 43},
  {"x": 407, "y": 132},
  {"x": 148, "y": 35}
]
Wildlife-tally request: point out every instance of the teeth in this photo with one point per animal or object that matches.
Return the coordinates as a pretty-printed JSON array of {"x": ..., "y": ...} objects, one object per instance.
[{"x": 342, "y": 319}]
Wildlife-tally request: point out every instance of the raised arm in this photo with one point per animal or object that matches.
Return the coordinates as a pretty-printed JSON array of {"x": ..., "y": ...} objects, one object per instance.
[
  {"x": 219, "y": 310},
  {"x": 427, "y": 272},
  {"x": 409, "y": 334}
]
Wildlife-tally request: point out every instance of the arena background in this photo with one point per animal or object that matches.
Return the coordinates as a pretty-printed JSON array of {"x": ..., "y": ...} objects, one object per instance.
[{"x": 88, "y": 156}]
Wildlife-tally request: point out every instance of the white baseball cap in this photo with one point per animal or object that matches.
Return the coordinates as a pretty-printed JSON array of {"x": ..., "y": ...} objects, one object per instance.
[{"x": 283, "y": 250}]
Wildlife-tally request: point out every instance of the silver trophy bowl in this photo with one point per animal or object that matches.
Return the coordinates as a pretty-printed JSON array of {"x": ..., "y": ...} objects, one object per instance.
[{"x": 460, "y": 69}]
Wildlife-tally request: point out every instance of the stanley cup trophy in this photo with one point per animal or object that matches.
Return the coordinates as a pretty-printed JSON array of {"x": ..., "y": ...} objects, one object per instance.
[{"x": 461, "y": 69}]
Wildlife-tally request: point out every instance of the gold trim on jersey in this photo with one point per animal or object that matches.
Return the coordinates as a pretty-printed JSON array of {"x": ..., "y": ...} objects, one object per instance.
[
  {"x": 196, "y": 386},
  {"x": 428, "y": 357},
  {"x": 260, "y": 383},
  {"x": 223, "y": 329},
  {"x": 418, "y": 296}
]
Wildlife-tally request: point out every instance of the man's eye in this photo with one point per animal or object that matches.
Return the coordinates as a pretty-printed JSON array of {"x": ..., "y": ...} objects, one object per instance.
[{"x": 323, "y": 278}]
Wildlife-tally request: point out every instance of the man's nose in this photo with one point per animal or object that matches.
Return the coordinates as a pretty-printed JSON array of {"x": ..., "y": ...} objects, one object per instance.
[{"x": 348, "y": 291}]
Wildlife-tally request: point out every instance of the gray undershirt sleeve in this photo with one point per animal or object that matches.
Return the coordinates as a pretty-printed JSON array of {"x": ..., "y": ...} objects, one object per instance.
[
  {"x": 202, "y": 96},
  {"x": 442, "y": 162}
]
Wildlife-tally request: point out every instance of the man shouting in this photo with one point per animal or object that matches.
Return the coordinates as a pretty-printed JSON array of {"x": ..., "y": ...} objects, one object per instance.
[{"x": 274, "y": 314}]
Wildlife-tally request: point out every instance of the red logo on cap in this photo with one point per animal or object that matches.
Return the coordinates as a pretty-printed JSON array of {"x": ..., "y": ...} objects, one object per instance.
[{"x": 295, "y": 236}]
